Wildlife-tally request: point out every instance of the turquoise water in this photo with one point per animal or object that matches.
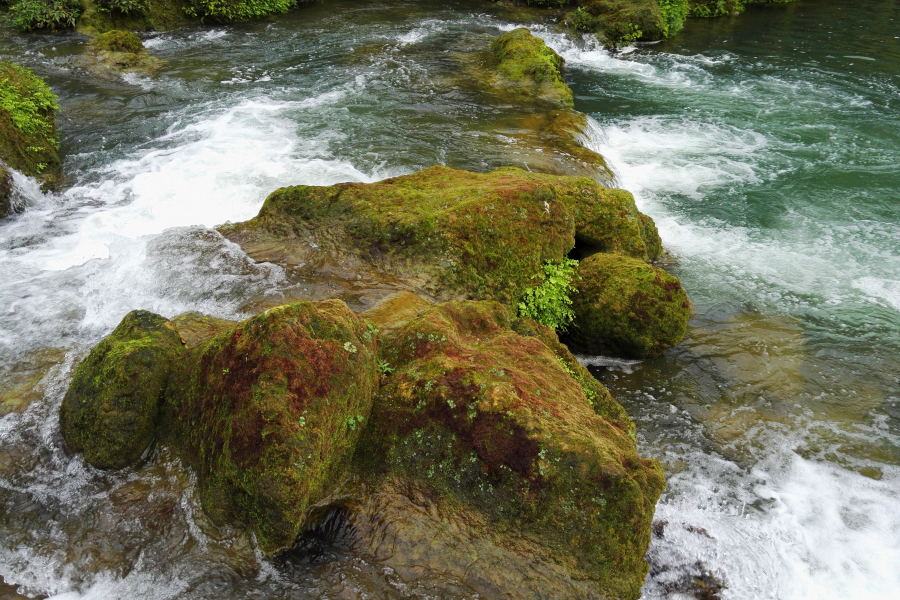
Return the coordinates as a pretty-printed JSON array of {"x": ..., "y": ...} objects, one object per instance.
[{"x": 765, "y": 146}]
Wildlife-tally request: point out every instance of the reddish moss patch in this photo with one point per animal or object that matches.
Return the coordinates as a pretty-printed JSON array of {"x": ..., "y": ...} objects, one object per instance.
[
  {"x": 494, "y": 421},
  {"x": 269, "y": 412}
]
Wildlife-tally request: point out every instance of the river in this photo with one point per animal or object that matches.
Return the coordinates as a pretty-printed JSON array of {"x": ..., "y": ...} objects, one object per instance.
[{"x": 765, "y": 146}]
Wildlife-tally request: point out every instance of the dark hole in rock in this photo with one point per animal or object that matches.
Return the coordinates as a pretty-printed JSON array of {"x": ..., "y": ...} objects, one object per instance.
[
  {"x": 583, "y": 249},
  {"x": 328, "y": 535}
]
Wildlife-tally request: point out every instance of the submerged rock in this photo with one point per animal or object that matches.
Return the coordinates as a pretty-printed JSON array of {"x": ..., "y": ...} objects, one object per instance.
[
  {"x": 269, "y": 413},
  {"x": 625, "y": 307},
  {"x": 116, "y": 52},
  {"x": 449, "y": 234},
  {"x": 21, "y": 383},
  {"x": 28, "y": 138},
  {"x": 111, "y": 409},
  {"x": 491, "y": 427}
]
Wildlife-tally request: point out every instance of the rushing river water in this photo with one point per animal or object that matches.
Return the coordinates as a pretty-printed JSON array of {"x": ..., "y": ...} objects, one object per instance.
[{"x": 765, "y": 146}]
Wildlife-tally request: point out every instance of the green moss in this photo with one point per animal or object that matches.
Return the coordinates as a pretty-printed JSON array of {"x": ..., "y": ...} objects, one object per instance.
[
  {"x": 456, "y": 234},
  {"x": 118, "y": 41},
  {"x": 238, "y": 10},
  {"x": 492, "y": 422},
  {"x": 618, "y": 22},
  {"x": 263, "y": 411},
  {"x": 625, "y": 307},
  {"x": 532, "y": 69},
  {"x": 28, "y": 139},
  {"x": 111, "y": 409}
]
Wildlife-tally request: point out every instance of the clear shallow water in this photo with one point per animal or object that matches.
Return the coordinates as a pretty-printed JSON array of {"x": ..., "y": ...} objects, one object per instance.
[{"x": 764, "y": 147}]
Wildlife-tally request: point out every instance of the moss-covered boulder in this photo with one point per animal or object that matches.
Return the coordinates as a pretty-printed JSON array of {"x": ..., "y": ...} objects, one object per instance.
[
  {"x": 28, "y": 138},
  {"x": 269, "y": 412},
  {"x": 111, "y": 409},
  {"x": 116, "y": 52},
  {"x": 453, "y": 234},
  {"x": 527, "y": 67},
  {"x": 625, "y": 307},
  {"x": 491, "y": 423}
]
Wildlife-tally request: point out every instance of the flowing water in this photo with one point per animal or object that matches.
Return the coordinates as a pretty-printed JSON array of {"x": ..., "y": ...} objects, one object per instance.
[{"x": 765, "y": 147}]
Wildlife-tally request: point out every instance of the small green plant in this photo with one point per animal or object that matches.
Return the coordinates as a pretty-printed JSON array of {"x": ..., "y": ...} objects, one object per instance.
[
  {"x": 28, "y": 15},
  {"x": 350, "y": 347},
  {"x": 384, "y": 367},
  {"x": 549, "y": 303},
  {"x": 126, "y": 7},
  {"x": 674, "y": 12},
  {"x": 226, "y": 371},
  {"x": 354, "y": 422}
]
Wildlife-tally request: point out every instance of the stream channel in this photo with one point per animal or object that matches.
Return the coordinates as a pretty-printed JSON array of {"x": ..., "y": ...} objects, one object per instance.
[{"x": 765, "y": 146}]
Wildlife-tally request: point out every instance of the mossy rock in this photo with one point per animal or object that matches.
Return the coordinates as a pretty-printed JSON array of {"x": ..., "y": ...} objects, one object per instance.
[
  {"x": 116, "y": 52},
  {"x": 28, "y": 138},
  {"x": 195, "y": 328},
  {"x": 6, "y": 191},
  {"x": 112, "y": 406},
  {"x": 117, "y": 41},
  {"x": 453, "y": 234},
  {"x": 714, "y": 8},
  {"x": 491, "y": 422},
  {"x": 625, "y": 307},
  {"x": 269, "y": 412},
  {"x": 527, "y": 67}
]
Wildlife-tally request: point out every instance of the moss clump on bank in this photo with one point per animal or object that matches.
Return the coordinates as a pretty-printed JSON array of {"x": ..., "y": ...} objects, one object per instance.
[
  {"x": 159, "y": 15},
  {"x": 269, "y": 412},
  {"x": 118, "y": 41},
  {"x": 453, "y": 234},
  {"x": 489, "y": 421},
  {"x": 528, "y": 67},
  {"x": 112, "y": 406},
  {"x": 28, "y": 138},
  {"x": 625, "y": 307}
]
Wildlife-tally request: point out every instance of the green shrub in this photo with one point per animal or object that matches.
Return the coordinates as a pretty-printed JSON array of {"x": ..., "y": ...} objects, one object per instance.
[
  {"x": 125, "y": 7},
  {"x": 238, "y": 10},
  {"x": 549, "y": 304},
  {"x": 715, "y": 8},
  {"x": 28, "y": 101},
  {"x": 674, "y": 13},
  {"x": 44, "y": 14}
]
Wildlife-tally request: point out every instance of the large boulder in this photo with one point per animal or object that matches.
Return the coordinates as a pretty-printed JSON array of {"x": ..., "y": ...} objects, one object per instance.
[
  {"x": 498, "y": 430},
  {"x": 269, "y": 412},
  {"x": 451, "y": 234},
  {"x": 625, "y": 307},
  {"x": 111, "y": 409},
  {"x": 28, "y": 138}
]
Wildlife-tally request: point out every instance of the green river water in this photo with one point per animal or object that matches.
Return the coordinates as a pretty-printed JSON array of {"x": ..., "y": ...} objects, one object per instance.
[{"x": 765, "y": 146}]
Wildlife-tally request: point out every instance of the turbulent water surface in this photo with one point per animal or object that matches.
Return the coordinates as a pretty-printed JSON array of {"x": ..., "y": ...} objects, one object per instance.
[{"x": 765, "y": 146}]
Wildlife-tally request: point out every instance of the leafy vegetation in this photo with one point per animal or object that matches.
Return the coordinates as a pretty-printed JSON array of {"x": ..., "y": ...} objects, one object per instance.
[
  {"x": 28, "y": 15},
  {"x": 126, "y": 7},
  {"x": 238, "y": 10},
  {"x": 549, "y": 303},
  {"x": 674, "y": 13}
]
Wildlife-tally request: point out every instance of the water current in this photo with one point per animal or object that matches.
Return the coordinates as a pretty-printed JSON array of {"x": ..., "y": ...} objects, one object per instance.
[{"x": 765, "y": 146}]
